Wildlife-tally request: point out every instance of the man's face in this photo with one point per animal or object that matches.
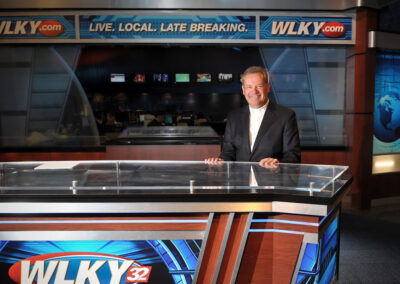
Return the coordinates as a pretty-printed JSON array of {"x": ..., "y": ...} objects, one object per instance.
[{"x": 255, "y": 90}]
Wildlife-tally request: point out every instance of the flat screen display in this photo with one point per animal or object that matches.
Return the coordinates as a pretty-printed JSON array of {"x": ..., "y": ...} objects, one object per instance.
[
  {"x": 168, "y": 118},
  {"x": 182, "y": 77},
  {"x": 139, "y": 78},
  {"x": 203, "y": 77},
  {"x": 160, "y": 78},
  {"x": 225, "y": 77},
  {"x": 387, "y": 103},
  {"x": 117, "y": 78}
]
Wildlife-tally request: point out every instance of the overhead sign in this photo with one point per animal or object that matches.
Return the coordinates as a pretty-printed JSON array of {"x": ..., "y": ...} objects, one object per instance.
[
  {"x": 179, "y": 27},
  {"x": 167, "y": 27}
]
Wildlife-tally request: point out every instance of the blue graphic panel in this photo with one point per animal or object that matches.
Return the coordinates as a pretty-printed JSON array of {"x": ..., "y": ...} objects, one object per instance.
[
  {"x": 305, "y": 28},
  {"x": 167, "y": 27},
  {"x": 156, "y": 261},
  {"x": 319, "y": 261},
  {"x": 37, "y": 27},
  {"x": 387, "y": 103}
]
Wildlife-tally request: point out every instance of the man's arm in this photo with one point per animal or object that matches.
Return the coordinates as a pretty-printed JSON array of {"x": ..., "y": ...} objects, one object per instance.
[
  {"x": 228, "y": 152},
  {"x": 291, "y": 142}
]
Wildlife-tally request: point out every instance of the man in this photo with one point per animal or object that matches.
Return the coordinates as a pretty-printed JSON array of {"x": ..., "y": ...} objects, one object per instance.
[{"x": 262, "y": 132}]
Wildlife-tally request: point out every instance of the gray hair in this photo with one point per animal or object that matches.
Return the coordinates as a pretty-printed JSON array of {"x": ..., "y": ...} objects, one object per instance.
[{"x": 253, "y": 70}]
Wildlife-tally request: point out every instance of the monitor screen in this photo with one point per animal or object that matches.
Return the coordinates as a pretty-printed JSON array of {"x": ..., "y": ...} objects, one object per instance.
[
  {"x": 168, "y": 118},
  {"x": 117, "y": 78},
  {"x": 160, "y": 78},
  {"x": 203, "y": 77},
  {"x": 387, "y": 103},
  {"x": 182, "y": 77},
  {"x": 139, "y": 78},
  {"x": 225, "y": 77}
]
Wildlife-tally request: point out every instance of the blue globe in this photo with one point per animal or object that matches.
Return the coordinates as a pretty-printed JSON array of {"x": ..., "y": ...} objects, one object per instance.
[{"x": 387, "y": 117}]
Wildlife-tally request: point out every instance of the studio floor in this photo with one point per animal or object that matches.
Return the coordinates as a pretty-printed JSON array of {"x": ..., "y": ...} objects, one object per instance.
[{"x": 370, "y": 243}]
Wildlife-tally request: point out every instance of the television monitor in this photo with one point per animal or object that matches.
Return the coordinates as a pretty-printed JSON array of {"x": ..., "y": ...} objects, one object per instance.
[
  {"x": 182, "y": 77},
  {"x": 168, "y": 118},
  {"x": 160, "y": 77},
  {"x": 203, "y": 77},
  {"x": 117, "y": 78},
  {"x": 139, "y": 78},
  {"x": 225, "y": 77}
]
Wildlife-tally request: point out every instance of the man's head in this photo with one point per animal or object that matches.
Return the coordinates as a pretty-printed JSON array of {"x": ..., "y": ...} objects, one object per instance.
[{"x": 255, "y": 86}]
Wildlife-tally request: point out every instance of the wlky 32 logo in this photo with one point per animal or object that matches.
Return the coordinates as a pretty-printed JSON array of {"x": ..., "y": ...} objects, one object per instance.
[{"x": 78, "y": 268}]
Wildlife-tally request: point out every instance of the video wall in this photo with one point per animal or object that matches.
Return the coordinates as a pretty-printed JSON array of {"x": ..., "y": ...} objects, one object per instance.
[{"x": 387, "y": 103}]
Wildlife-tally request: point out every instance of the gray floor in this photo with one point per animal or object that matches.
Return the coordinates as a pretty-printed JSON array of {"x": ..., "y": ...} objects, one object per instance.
[{"x": 370, "y": 244}]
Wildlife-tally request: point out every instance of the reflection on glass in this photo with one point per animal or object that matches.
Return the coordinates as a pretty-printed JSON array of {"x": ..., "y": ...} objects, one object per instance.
[{"x": 158, "y": 177}]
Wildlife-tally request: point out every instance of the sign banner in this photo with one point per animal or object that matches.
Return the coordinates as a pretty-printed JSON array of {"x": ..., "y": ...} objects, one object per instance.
[
  {"x": 167, "y": 27},
  {"x": 37, "y": 27},
  {"x": 301, "y": 28},
  {"x": 118, "y": 262},
  {"x": 180, "y": 27}
]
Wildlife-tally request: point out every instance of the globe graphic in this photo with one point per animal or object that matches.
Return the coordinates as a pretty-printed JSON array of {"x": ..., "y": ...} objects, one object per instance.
[{"x": 387, "y": 117}]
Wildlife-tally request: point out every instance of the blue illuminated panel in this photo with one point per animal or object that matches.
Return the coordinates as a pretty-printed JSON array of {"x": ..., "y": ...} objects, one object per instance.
[{"x": 319, "y": 261}]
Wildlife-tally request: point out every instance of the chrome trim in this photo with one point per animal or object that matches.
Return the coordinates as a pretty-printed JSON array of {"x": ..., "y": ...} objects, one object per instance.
[
  {"x": 298, "y": 262},
  {"x": 223, "y": 246},
  {"x": 311, "y": 238},
  {"x": 203, "y": 248},
  {"x": 192, "y": 4},
  {"x": 100, "y": 235},
  {"x": 161, "y": 207},
  {"x": 372, "y": 39},
  {"x": 241, "y": 249},
  {"x": 383, "y": 40},
  {"x": 299, "y": 208}
]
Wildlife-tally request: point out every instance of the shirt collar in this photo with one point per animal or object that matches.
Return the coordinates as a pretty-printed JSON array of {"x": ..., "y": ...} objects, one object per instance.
[{"x": 260, "y": 109}]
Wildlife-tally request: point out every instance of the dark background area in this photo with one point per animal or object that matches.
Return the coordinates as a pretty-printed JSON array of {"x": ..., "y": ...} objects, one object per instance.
[{"x": 213, "y": 99}]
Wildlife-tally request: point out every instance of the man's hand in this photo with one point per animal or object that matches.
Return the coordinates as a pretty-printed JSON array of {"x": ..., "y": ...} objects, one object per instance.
[
  {"x": 213, "y": 161},
  {"x": 270, "y": 163}
]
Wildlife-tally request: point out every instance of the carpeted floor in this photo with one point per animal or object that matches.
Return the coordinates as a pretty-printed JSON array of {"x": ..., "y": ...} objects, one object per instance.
[{"x": 370, "y": 246}]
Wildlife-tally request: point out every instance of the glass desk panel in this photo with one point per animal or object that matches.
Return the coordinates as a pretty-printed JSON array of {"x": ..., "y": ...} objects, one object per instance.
[{"x": 168, "y": 177}]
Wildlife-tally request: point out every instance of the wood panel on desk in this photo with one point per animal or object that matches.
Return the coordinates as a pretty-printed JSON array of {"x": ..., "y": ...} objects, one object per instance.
[
  {"x": 256, "y": 265},
  {"x": 288, "y": 227},
  {"x": 269, "y": 257},
  {"x": 232, "y": 248},
  {"x": 162, "y": 152},
  {"x": 96, "y": 224},
  {"x": 213, "y": 248},
  {"x": 289, "y": 217}
]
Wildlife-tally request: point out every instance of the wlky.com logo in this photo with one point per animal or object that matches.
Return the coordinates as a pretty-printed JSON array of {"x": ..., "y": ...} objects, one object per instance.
[
  {"x": 292, "y": 28},
  {"x": 49, "y": 28}
]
